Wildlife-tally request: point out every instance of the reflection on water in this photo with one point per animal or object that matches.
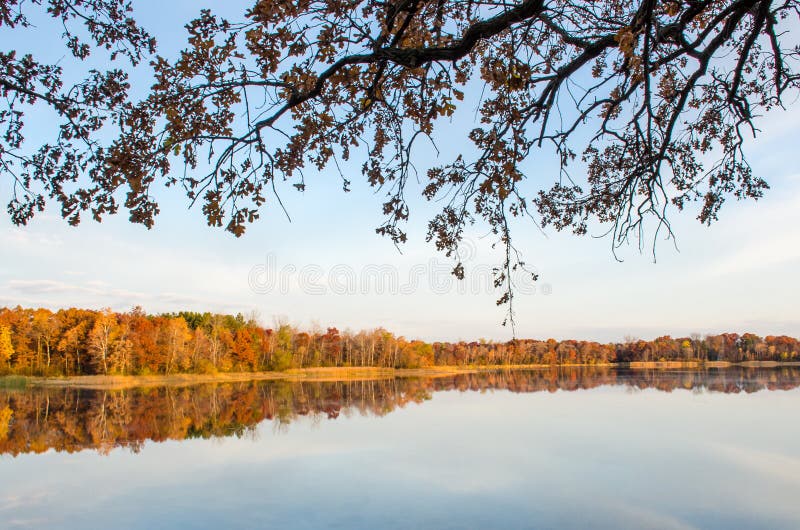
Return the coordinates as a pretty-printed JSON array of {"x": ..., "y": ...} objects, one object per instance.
[
  {"x": 556, "y": 448},
  {"x": 70, "y": 419}
]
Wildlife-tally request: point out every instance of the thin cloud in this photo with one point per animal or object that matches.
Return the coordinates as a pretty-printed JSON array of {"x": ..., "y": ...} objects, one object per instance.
[
  {"x": 42, "y": 287},
  {"x": 35, "y": 287}
]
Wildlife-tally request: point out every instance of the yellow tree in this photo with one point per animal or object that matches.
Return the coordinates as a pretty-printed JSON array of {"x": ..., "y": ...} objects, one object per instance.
[
  {"x": 6, "y": 347},
  {"x": 45, "y": 329}
]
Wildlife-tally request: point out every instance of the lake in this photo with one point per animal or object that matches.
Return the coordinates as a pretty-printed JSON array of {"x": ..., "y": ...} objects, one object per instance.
[{"x": 551, "y": 448}]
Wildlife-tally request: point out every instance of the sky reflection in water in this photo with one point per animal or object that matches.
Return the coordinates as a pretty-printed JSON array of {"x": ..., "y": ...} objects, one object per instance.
[{"x": 551, "y": 449}]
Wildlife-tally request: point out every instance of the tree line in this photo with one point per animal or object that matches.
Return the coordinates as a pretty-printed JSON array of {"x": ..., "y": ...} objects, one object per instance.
[
  {"x": 80, "y": 342},
  {"x": 74, "y": 419}
]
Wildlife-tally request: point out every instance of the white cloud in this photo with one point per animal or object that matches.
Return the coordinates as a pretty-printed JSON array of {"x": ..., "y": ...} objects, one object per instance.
[
  {"x": 55, "y": 294},
  {"x": 35, "y": 287}
]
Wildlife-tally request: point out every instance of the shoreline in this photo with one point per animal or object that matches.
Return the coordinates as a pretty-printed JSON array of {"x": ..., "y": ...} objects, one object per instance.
[{"x": 333, "y": 374}]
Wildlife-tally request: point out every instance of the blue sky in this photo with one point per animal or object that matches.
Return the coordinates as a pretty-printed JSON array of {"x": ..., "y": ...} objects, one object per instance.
[{"x": 738, "y": 275}]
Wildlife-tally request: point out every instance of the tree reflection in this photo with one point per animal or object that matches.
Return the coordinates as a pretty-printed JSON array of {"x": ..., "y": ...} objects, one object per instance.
[{"x": 72, "y": 419}]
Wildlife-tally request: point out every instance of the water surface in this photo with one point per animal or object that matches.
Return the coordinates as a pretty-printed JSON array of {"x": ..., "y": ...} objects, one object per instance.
[{"x": 559, "y": 448}]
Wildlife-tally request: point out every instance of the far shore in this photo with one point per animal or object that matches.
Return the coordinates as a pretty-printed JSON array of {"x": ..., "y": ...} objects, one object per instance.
[{"x": 104, "y": 382}]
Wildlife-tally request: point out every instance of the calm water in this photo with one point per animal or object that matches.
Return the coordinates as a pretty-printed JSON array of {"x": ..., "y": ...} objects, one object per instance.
[{"x": 563, "y": 448}]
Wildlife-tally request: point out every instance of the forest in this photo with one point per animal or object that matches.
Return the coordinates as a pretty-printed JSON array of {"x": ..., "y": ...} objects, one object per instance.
[
  {"x": 74, "y": 419},
  {"x": 84, "y": 342}
]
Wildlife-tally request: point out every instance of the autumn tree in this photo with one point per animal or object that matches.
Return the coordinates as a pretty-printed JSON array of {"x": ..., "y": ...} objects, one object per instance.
[
  {"x": 218, "y": 337},
  {"x": 46, "y": 326},
  {"x": 177, "y": 337},
  {"x": 644, "y": 105},
  {"x": 6, "y": 346},
  {"x": 145, "y": 337},
  {"x": 121, "y": 358},
  {"x": 72, "y": 341},
  {"x": 101, "y": 337},
  {"x": 19, "y": 321},
  {"x": 244, "y": 349},
  {"x": 302, "y": 344},
  {"x": 200, "y": 348},
  {"x": 416, "y": 354}
]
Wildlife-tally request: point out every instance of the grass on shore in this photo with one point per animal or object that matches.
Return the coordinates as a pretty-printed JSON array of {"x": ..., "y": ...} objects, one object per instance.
[{"x": 13, "y": 382}]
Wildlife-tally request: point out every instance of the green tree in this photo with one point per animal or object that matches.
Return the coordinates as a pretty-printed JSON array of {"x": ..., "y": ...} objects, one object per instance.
[{"x": 282, "y": 356}]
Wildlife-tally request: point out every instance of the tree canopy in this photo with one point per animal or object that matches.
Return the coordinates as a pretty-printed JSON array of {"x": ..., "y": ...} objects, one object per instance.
[{"x": 645, "y": 104}]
